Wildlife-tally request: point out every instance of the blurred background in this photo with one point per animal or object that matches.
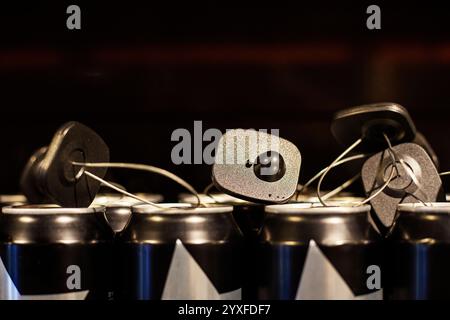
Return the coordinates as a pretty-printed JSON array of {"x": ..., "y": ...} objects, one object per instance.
[{"x": 137, "y": 71}]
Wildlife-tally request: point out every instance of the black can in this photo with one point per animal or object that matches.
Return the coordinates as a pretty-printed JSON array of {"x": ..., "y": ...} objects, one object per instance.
[
  {"x": 418, "y": 260},
  {"x": 249, "y": 217},
  {"x": 180, "y": 253},
  {"x": 118, "y": 207},
  {"x": 54, "y": 253},
  {"x": 312, "y": 252}
]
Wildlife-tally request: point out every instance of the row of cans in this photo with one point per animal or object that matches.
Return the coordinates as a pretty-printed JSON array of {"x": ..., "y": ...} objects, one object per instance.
[{"x": 229, "y": 249}]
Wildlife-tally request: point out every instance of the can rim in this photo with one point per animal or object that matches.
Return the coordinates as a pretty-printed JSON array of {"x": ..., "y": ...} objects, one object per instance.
[
  {"x": 314, "y": 208},
  {"x": 48, "y": 209},
  {"x": 180, "y": 208},
  {"x": 221, "y": 198},
  {"x": 431, "y": 207}
]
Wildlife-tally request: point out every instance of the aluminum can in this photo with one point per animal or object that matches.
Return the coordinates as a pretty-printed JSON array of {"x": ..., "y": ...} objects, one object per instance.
[
  {"x": 181, "y": 252},
  {"x": 311, "y": 252},
  {"x": 418, "y": 258},
  {"x": 53, "y": 253},
  {"x": 249, "y": 217}
]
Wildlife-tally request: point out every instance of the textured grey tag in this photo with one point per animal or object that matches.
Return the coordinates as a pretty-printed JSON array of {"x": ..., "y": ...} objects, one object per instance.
[
  {"x": 239, "y": 151},
  {"x": 418, "y": 179}
]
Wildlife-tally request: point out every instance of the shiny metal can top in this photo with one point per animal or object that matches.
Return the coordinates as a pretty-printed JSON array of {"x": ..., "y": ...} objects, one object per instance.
[
  {"x": 334, "y": 201},
  {"x": 425, "y": 208},
  {"x": 181, "y": 208},
  {"x": 12, "y": 199},
  {"x": 220, "y": 198},
  {"x": 423, "y": 223},
  {"x": 48, "y": 209},
  {"x": 298, "y": 223},
  {"x": 119, "y": 200},
  {"x": 190, "y": 224},
  {"x": 39, "y": 224},
  {"x": 316, "y": 208}
]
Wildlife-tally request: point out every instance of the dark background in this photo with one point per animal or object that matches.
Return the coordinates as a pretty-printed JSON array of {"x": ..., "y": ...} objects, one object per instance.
[{"x": 136, "y": 71}]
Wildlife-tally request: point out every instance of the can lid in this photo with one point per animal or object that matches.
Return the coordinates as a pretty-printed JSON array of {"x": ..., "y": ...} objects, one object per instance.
[
  {"x": 13, "y": 198},
  {"x": 316, "y": 208},
  {"x": 119, "y": 200},
  {"x": 181, "y": 208},
  {"x": 221, "y": 198},
  {"x": 431, "y": 207},
  {"x": 153, "y": 197},
  {"x": 334, "y": 200},
  {"x": 45, "y": 209}
]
